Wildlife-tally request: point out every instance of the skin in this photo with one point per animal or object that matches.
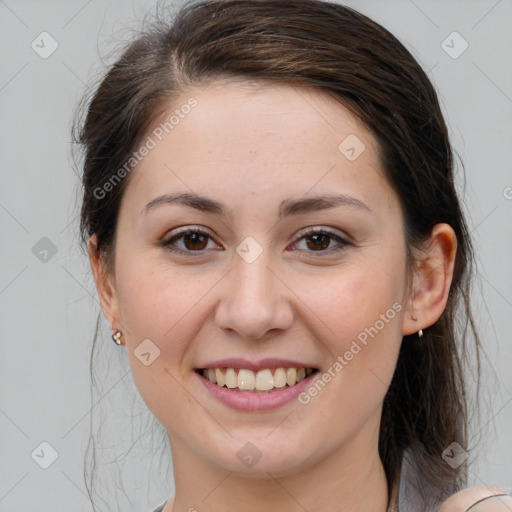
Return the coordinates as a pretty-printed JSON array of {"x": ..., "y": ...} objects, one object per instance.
[
  {"x": 479, "y": 499},
  {"x": 301, "y": 304}
]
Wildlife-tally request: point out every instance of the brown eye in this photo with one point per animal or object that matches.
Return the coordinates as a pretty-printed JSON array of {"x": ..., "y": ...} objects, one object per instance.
[
  {"x": 319, "y": 241},
  {"x": 188, "y": 241},
  {"x": 195, "y": 241}
]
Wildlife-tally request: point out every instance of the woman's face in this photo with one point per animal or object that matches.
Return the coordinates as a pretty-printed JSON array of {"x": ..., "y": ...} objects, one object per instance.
[{"x": 258, "y": 290}]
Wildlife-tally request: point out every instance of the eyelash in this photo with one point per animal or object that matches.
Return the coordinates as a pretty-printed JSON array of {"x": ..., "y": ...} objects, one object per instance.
[{"x": 303, "y": 235}]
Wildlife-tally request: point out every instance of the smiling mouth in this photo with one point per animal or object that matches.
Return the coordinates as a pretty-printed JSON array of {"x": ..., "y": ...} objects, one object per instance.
[{"x": 262, "y": 381}]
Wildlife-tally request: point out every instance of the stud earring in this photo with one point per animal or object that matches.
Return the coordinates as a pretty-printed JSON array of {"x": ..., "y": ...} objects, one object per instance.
[{"x": 116, "y": 337}]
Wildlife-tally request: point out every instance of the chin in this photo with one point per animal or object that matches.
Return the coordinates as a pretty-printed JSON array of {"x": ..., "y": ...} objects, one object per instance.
[{"x": 260, "y": 456}]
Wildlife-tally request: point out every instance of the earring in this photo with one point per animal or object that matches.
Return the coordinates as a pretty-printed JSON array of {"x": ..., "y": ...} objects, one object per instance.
[
  {"x": 116, "y": 337},
  {"x": 420, "y": 333}
]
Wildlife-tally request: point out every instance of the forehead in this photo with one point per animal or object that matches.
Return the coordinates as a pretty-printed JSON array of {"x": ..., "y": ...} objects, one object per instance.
[
  {"x": 246, "y": 119},
  {"x": 259, "y": 139}
]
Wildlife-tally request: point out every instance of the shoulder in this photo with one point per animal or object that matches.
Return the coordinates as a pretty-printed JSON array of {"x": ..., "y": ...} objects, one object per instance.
[
  {"x": 415, "y": 493},
  {"x": 482, "y": 497}
]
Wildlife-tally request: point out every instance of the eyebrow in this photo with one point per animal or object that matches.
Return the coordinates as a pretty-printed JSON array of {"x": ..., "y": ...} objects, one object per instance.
[{"x": 288, "y": 207}]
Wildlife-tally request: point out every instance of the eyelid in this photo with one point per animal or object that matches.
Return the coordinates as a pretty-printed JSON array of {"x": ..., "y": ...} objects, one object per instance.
[
  {"x": 189, "y": 228},
  {"x": 320, "y": 229}
]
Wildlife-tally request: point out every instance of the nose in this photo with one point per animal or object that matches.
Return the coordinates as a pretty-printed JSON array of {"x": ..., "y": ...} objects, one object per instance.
[{"x": 254, "y": 301}]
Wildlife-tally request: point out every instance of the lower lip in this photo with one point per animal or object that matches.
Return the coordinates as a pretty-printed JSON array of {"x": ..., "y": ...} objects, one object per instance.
[{"x": 243, "y": 401}]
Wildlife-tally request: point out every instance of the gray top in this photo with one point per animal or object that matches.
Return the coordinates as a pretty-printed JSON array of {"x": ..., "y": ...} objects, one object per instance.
[{"x": 410, "y": 493}]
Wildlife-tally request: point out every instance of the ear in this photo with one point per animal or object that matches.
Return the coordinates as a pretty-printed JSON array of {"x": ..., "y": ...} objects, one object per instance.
[
  {"x": 105, "y": 284},
  {"x": 432, "y": 279}
]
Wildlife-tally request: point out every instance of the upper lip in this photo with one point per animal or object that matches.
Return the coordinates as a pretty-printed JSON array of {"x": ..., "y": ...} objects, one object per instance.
[{"x": 262, "y": 364}]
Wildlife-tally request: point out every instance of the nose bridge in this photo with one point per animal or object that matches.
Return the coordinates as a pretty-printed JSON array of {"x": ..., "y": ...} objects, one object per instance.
[
  {"x": 253, "y": 301},
  {"x": 254, "y": 281}
]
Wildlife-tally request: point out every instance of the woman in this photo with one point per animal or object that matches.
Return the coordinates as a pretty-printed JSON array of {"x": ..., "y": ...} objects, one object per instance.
[{"x": 276, "y": 239}]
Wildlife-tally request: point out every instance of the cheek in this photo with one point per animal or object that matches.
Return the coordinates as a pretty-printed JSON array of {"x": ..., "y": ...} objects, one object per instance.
[
  {"x": 155, "y": 304},
  {"x": 362, "y": 309},
  {"x": 164, "y": 306},
  {"x": 356, "y": 300},
  {"x": 168, "y": 306},
  {"x": 158, "y": 300}
]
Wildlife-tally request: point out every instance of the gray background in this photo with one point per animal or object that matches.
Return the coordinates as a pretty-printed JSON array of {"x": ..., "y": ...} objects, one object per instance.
[{"x": 48, "y": 302}]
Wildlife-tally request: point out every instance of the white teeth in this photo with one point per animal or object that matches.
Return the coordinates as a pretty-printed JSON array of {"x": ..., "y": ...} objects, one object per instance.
[
  {"x": 263, "y": 380},
  {"x": 291, "y": 376},
  {"x": 279, "y": 378},
  {"x": 220, "y": 377},
  {"x": 231, "y": 378},
  {"x": 246, "y": 379}
]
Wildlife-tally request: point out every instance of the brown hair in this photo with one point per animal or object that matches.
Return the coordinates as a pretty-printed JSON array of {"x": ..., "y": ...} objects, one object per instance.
[{"x": 351, "y": 58}]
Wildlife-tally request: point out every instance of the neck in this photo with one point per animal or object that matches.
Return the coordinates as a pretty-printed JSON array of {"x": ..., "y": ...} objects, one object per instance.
[{"x": 350, "y": 479}]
